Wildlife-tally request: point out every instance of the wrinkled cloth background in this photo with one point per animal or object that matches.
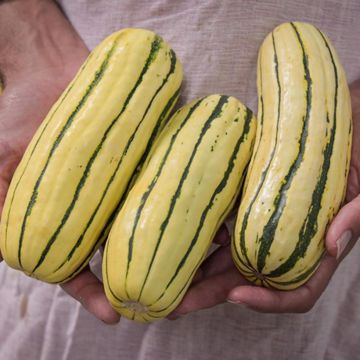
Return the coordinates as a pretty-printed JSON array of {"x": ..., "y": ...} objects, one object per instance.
[{"x": 217, "y": 43}]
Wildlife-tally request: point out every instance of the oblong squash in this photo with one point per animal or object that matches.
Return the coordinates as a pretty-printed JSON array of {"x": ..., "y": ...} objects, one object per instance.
[
  {"x": 298, "y": 172},
  {"x": 182, "y": 195},
  {"x": 74, "y": 172}
]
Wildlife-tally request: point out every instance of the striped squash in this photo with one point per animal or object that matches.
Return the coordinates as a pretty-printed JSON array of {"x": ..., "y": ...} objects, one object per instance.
[
  {"x": 67, "y": 188},
  {"x": 298, "y": 171},
  {"x": 181, "y": 197}
]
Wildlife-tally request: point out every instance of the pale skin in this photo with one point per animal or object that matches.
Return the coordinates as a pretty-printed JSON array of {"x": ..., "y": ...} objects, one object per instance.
[{"x": 39, "y": 54}]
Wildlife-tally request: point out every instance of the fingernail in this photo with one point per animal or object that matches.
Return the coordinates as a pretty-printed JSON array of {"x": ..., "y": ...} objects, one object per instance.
[
  {"x": 173, "y": 316},
  {"x": 112, "y": 323},
  {"x": 342, "y": 242},
  {"x": 236, "y": 302}
]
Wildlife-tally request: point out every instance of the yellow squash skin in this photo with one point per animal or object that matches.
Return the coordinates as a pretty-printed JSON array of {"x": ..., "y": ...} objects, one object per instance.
[
  {"x": 298, "y": 172},
  {"x": 78, "y": 165},
  {"x": 182, "y": 195}
]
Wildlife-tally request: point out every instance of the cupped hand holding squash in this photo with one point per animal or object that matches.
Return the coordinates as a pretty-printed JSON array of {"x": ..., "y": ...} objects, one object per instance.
[
  {"x": 33, "y": 76},
  {"x": 219, "y": 281}
]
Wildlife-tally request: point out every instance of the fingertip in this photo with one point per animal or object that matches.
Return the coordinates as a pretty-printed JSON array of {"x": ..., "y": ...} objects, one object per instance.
[
  {"x": 343, "y": 228},
  {"x": 88, "y": 290},
  {"x": 188, "y": 304},
  {"x": 244, "y": 294},
  {"x": 174, "y": 316},
  {"x": 337, "y": 228},
  {"x": 99, "y": 306},
  {"x": 256, "y": 298},
  {"x": 110, "y": 317},
  {"x": 96, "y": 303}
]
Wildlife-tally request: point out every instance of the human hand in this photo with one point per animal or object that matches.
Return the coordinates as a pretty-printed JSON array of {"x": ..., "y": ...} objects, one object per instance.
[
  {"x": 34, "y": 75},
  {"x": 218, "y": 280}
]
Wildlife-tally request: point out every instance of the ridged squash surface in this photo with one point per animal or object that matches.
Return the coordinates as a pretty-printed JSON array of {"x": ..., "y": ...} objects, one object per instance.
[
  {"x": 67, "y": 188},
  {"x": 298, "y": 172},
  {"x": 185, "y": 190}
]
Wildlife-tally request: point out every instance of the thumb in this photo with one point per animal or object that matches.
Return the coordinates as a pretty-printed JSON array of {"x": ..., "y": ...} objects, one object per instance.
[
  {"x": 3, "y": 189},
  {"x": 344, "y": 230}
]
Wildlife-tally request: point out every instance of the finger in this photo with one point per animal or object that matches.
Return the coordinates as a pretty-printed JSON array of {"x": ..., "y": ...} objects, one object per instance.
[
  {"x": 209, "y": 292},
  {"x": 88, "y": 290},
  {"x": 3, "y": 189},
  {"x": 199, "y": 275},
  {"x": 295, "y": 301},
  {"x": 222, "y": 237},
  {"x": 353, "y": 182},
  {"x": 219, "y": 261},
  {"x": 344, "y": 229}
]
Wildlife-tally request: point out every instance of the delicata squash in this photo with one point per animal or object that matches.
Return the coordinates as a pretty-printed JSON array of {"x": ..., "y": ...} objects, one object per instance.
[
  {"x": 185, "y": 190},
  {"x": 298, "y": 171},
  {"x": 73, "y": 175}
]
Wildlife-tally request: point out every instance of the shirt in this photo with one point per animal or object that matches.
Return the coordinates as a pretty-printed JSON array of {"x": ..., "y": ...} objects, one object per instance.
[{"x": 217, "y": 42}]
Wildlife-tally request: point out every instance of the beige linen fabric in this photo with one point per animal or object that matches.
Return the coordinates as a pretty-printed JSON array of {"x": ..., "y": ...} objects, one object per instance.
[{"x": 217, "y": 42}]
